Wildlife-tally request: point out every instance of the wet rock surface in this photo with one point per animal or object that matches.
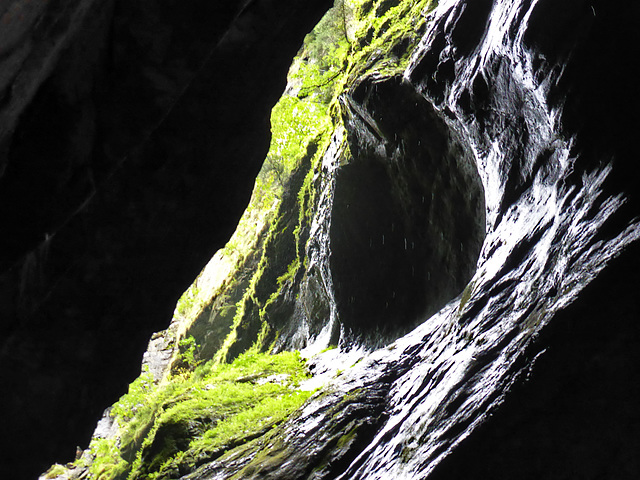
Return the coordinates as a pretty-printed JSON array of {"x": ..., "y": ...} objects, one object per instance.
[{"x": 576, "y": 415}]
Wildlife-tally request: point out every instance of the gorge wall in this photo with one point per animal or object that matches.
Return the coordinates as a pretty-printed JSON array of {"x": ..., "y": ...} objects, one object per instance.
[
  {"x": 464, "y": 234},
  {"x": 130, "y": 137}
]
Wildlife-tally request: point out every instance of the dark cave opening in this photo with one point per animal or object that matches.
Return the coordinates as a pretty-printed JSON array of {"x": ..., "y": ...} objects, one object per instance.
[{"x": 408, "y": 217}]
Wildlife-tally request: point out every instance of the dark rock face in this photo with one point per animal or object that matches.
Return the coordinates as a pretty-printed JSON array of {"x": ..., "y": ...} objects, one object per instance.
[
  {"x": 408, "y": 215},
  {"x": 130, "y": 137}
]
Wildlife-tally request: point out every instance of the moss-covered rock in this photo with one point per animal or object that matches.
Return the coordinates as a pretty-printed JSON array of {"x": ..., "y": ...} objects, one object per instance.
[
  {"x": 171, "y": 428},
  {"x": 276, "y": 291},
  {"x": 289, "y": 293}
]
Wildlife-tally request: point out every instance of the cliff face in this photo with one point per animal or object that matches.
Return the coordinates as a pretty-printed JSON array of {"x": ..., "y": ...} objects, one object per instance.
[
  {"x": 531, "y": 372},
  {"x": 463, "y": 232},
  {"x": 130, "y": 135}
]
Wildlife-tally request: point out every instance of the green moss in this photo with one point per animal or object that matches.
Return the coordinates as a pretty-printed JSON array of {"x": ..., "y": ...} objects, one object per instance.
[
  {"x": 266, "y": 456},
  {"x": 329, "y": 348},
  {"x": 198, "y": 415},
  {"x": 466, "y": 295},
  {"x": 139, "y": 390},
  {"x": 188, "y": 301},
  {"x": 107, "y": 463},
  {"x": 266, "y": 413},
  {"x": 386, "y": 36},
  {"x": 267, "y": 302},
  {"x": 287, "y": 278},
  {"x": 236, "y": 402},
  {"x": 345, "y": 440},
  {"x": 55, "y": 471}
]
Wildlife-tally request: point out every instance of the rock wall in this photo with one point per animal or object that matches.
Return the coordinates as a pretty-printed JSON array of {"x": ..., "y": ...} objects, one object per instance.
[
  {"x": 531, "y": 371},
  {"x": 383, "y": 221},
  {"x": 130, "y": 135},
  {"x": 517, "y": 118}
]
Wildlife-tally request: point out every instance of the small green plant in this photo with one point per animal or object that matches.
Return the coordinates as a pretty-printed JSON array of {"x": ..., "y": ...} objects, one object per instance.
[
  {"x": 188, "y": 301},
  {"x": 139, "y": 391},
  {"x": 188, "y": 350}
]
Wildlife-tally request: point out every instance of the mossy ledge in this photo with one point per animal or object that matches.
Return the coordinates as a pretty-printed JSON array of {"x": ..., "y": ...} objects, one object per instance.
[{"x": 167, "y": 430}]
